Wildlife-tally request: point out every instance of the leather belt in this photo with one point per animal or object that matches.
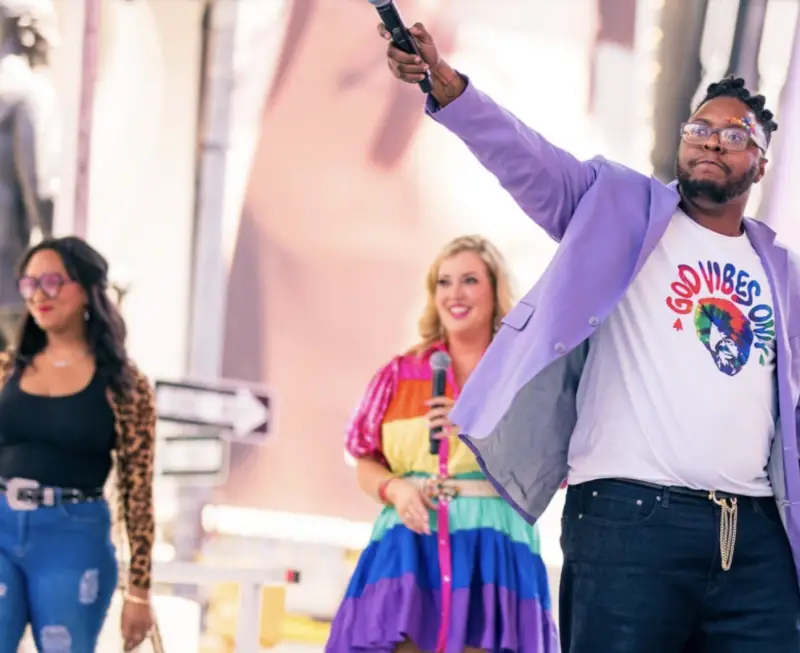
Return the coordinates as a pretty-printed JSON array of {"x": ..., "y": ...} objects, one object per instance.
[
  {"x": 677, "y": 489},
  {"x": 437, "y": 487},
  {"x": 27, "y": 494}
]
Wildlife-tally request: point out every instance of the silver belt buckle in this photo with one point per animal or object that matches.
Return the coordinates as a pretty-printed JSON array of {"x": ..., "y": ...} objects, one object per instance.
[{"x": 14, "y": 486}]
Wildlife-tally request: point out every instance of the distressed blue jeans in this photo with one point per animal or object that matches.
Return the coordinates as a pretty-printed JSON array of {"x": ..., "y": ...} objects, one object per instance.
[{"x": 58, "y": 572}]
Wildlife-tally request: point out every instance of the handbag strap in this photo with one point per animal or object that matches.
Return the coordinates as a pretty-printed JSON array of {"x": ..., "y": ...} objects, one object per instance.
[{"x": 155, "y": 638}]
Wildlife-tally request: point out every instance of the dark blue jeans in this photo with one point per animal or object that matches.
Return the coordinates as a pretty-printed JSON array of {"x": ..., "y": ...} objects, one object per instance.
[
  {"x": 58, "y": 572},
  {"x": 642, "y": 574}
]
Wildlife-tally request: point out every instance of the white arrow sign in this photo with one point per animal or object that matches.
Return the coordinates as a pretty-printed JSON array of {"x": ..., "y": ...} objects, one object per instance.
[{"x": 241, "y": 410}]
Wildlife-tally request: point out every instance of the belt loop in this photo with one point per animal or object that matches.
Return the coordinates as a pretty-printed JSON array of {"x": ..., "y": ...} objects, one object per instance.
[{"x": 665, "y": 497}]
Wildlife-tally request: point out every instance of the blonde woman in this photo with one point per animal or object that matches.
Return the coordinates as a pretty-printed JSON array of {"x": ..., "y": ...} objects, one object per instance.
[{"x": 450, "y": 566}]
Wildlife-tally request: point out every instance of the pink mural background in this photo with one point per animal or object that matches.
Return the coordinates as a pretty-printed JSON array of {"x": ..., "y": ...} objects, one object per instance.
[{"x": 352, "y": 191}]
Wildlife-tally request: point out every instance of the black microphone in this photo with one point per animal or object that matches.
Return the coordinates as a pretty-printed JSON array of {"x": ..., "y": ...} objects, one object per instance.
[
  {"x": 402, "y": 39},
  {"x": 440, "y": 361}
]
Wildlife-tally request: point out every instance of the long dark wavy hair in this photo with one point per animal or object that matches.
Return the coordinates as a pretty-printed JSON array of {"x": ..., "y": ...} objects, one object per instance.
[{"x": 105, "y": 328}]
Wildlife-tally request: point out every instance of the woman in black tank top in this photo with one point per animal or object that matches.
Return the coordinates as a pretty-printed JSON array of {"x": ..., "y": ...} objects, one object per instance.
[{"x": 72, "y": 407}]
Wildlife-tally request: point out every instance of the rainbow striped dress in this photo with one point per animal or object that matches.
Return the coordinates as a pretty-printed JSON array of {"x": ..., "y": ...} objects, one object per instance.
[{"x": 477, "y": 580}]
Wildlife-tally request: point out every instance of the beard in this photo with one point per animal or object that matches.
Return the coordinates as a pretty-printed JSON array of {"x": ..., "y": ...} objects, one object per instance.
[{"x": 718, "y": 192}]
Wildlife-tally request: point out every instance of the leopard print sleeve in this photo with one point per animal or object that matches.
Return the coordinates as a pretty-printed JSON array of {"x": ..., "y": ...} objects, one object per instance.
[
  {"x": 136, "y": 468},
  {"x": 6, "y": 366}
]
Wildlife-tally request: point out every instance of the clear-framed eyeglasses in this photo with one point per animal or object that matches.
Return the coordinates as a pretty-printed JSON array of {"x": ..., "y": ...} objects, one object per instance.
[{"x": 733, "y": 138}]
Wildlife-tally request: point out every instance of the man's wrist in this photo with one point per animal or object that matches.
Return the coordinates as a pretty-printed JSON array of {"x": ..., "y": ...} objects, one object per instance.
[{"x": 447, "y": 83}]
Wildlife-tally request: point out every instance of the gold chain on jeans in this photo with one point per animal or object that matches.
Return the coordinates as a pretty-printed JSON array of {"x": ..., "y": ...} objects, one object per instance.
[{"x": 728, "y": 518}]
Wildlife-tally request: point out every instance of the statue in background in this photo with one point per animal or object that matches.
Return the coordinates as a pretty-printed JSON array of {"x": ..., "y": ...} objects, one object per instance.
[{"x": 29, "y": 143}]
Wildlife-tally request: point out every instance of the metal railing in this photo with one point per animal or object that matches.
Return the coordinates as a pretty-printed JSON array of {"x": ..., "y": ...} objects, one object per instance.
[{"x": 250, "y": 581}]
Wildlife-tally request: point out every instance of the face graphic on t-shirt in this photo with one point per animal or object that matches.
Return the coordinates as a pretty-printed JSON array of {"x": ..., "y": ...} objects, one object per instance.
[{"x": 725, "y": 332}]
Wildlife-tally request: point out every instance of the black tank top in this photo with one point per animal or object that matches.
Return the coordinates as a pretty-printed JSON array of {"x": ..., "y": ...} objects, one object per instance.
[{"x": 57, "y": 441}]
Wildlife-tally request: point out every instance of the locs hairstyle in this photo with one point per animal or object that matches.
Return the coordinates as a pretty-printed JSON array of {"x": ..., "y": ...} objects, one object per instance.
[
  {"x": 105, "y": 328},
  {"x": 734, "y": 87}
]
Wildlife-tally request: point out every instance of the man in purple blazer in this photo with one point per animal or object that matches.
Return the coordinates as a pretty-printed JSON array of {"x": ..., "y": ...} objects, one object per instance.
[{"x": 656, "y": 366}]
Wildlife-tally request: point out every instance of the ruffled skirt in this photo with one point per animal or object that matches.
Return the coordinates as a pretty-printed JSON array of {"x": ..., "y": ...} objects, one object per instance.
[{"x": 499, "y": 600}]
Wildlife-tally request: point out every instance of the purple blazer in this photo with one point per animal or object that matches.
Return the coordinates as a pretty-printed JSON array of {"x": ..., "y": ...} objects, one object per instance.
[{"x": 517, "y": 411}]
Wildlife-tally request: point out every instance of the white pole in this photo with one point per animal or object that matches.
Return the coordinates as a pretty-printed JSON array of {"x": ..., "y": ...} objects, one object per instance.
[
  {"x": 210, "y": 275},
  {"x": 91, "y": 47}
]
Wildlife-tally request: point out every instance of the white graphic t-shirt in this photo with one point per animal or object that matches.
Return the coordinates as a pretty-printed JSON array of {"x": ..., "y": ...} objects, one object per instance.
[{"x": 679, "y": 384}]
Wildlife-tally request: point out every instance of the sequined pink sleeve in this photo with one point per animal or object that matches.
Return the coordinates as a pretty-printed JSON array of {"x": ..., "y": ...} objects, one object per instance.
[{"x": 363, "y": 437}]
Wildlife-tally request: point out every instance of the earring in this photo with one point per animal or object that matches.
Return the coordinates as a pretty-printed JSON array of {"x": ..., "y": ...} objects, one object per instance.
[{"x": 86, "y": 315}]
